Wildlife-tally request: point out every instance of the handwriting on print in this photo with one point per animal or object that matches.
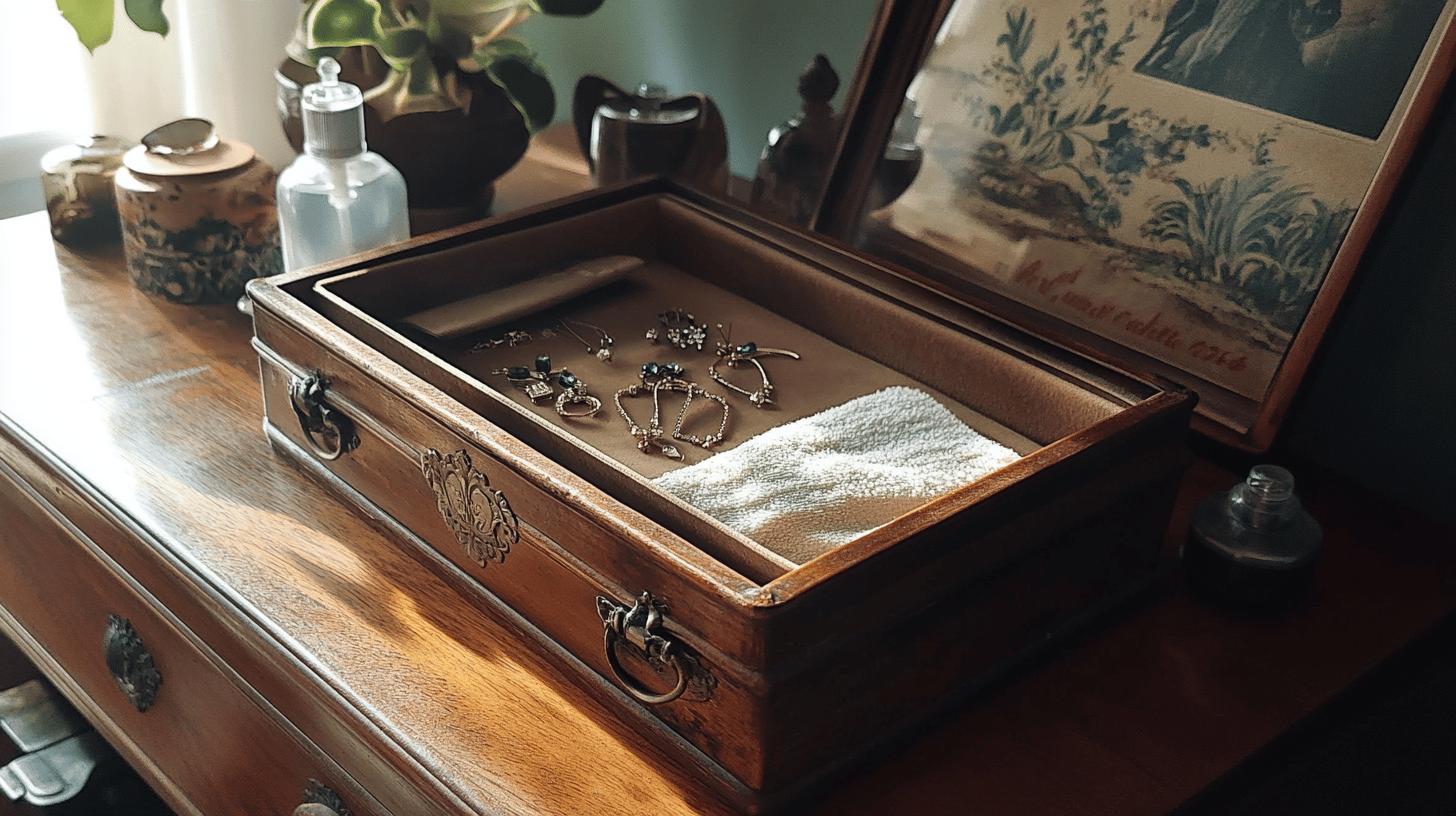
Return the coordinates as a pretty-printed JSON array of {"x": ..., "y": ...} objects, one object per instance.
[{"x": 1062, "y": 288}]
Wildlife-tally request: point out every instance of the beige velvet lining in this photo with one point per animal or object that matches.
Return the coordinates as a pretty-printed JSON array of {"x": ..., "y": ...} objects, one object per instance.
[
  {"x": 852, "y": 341},
  {"x": 827, "y": 375}
]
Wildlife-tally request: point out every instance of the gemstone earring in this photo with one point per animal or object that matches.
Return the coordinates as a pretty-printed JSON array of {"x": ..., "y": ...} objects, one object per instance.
[
  {"x": 655, "y": 371},
  {"x": 535, "y": 383},
  {"x": 747, "y": 354},
  {"x": 575, "y": 394}
]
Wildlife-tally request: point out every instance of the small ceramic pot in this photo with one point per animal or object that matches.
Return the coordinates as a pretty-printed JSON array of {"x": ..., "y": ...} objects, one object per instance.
[
  {"x": 198, "y": 221},
  {"x": 76, "y": 180}
]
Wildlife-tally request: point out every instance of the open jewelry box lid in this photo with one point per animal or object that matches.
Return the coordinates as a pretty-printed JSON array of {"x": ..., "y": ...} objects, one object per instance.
[{"x": 1085, "y": 177}]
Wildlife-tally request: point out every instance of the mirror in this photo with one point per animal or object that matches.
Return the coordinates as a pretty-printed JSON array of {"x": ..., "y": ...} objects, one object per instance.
[{"x": 746, "y": 57}]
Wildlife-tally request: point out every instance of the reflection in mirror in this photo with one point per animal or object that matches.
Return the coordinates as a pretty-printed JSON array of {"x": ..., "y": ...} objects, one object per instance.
[
  {"x": 743, "y": 59},
  {"x": 1170, "y": 185}
]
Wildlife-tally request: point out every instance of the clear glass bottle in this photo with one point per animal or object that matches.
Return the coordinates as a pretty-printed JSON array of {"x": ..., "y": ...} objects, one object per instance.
[
  {"x": 1255, "y": 546},
  {"x": 337, "y": 198}
]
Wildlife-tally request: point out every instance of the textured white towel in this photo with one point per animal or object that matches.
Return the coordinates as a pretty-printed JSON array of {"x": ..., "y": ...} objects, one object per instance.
[{"x": 803, "y": 488}]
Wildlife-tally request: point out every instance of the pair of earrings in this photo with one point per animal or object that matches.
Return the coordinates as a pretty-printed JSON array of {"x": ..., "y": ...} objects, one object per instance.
[
  {"x": 537, "y": 385},
  {"x": 655, "y": 378},
  {"x": 680, "y": 329},
  {"x": 743, "y": 354}
]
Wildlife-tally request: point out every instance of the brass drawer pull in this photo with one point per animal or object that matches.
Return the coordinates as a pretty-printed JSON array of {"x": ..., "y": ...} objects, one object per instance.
[
  {"x": 637, "y": 626},
  {"x": 329, "y": 433},
  {"x": 130, "y": 663},
  {"x": 321, "y": 800}
]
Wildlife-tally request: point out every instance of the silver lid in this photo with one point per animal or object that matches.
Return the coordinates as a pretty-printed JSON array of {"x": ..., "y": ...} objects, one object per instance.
[
  {"x": 333, "y": 115},
  {"x": 649, "y": 106}
]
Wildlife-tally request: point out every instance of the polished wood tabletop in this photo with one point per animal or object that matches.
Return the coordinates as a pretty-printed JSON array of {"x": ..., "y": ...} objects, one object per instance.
[{"x": 156, "y": 408}]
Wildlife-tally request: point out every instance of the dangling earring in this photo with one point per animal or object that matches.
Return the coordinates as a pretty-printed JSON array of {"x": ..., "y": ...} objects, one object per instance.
[
  {"x": 746, "y": 354},
  {"x": 603, "y": 347},
  {"x": 681, "y": 329}
]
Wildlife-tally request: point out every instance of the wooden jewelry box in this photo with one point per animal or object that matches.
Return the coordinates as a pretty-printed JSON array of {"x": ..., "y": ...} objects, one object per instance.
[{"x": 769, "y": 667}]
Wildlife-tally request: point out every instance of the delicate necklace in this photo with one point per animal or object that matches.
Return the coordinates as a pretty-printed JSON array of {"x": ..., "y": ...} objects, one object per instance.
[
  {"x": 650, "y": 438},
  {"x": 603, "y": 347},
  {"x": 693, "y": 390}
]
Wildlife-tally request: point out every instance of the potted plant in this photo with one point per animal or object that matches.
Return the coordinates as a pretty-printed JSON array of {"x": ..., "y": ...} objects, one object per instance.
[
  {"x": 450, "y": 99},
  {"x": 93, "y": 20}
]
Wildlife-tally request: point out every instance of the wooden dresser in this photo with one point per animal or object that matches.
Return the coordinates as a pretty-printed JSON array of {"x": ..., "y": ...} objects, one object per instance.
[{"x": 274, "y": 646}]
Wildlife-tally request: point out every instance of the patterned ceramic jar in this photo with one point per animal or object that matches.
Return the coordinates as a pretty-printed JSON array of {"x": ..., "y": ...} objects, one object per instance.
[{"x": 198, "y": 215}]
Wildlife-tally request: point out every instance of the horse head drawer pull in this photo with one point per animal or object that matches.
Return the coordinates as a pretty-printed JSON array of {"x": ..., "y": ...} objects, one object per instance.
[
  {"x": 130, "y": 663},
  {"x": 329, "y": 433},
  {"x": 638, "y": 629}
]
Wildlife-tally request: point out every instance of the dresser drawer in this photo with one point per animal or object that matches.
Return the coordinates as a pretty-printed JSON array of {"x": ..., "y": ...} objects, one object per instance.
[{"x": 160, "y": 695}]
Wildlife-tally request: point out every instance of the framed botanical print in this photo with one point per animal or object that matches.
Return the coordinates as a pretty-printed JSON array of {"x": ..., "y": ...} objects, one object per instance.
[{"x": 1182, "y": 186}]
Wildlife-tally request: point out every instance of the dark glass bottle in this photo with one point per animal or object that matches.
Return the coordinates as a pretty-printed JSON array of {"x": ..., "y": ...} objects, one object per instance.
[{"x": 1255, "y": 546}]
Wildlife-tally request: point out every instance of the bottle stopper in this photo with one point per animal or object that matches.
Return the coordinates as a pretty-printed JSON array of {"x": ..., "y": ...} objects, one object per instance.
[{"x": 333, "y": 115}]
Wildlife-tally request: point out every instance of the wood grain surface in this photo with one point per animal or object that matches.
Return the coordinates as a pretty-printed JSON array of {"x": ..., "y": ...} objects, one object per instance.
[{"x": 129, "y": 408}]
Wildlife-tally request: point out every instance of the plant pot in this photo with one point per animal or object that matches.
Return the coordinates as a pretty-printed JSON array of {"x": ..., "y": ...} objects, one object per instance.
[{"x": 448, "y": 158}]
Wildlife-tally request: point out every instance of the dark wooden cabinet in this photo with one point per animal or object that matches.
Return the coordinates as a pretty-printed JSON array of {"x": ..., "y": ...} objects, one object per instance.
[{"x": 153, "y": 688}]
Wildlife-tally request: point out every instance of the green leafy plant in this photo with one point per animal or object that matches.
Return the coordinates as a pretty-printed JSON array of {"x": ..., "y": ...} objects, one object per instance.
[
  {"x": 94, "y": 20},
  {"x": 426, "y": 42},
  {"x": 1265, "y": 241}
]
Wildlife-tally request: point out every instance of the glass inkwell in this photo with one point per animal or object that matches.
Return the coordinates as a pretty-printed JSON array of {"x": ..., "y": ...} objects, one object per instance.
[{"x": 1255, "y": 546}]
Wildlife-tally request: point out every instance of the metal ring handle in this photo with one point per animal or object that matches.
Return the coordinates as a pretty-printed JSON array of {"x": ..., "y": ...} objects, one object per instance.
[
  {"x": 318, "y": 439},
  {"x": 319, "y": 422},
  {"x": 609, "y": 642}
]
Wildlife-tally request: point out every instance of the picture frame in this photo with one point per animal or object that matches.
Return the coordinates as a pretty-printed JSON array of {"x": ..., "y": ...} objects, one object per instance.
[{"x": 1183, "y": 188}]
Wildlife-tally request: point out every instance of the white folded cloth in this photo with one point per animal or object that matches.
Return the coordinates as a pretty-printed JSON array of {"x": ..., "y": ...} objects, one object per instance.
[{"x": 808, "y": 486}]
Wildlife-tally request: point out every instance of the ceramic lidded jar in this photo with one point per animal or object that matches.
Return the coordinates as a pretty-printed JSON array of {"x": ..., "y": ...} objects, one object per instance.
[
  {"x": 76, "y": 180},
  {"x": 198, "y": 214}
]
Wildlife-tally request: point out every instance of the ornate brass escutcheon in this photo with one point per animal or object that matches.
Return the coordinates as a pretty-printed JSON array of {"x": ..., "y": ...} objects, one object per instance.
[
  {"x": 130, "y": 663},
  {"x": 478, "y": 514},
  {"x": 329, "y": 433},
  {"x": 640, "y": 629}
]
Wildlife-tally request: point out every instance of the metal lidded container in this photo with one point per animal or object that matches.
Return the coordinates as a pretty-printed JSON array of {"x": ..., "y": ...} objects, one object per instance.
[{"x": 643, "y": 134}]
